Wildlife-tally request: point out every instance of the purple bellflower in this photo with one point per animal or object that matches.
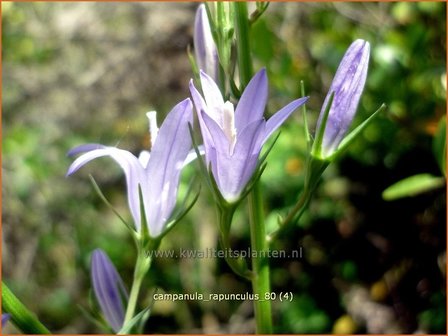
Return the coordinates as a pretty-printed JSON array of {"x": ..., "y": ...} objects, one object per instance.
[
  {"x": 233, "y": 138},
  {"x": 157, "y": 173},
  {"x": 109, "y": 289},
  {"x": 347, "y": 86},
  {"x": 205, "y": 49}
]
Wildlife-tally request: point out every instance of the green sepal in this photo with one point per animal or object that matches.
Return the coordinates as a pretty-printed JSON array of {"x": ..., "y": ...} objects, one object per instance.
[
  {"x": 180, "y": 214},
  {"x": 212, "y": 22},
  {"x": 145, "y": 236},
  {"x": 21, "y": 317},
  {"x": 95, "y": 319},
  {"x": 194, "y": 66},
  {"x": 97, "y": 189},
  {"x": 261, "y": 8},
  {"x": 316, "y": 150},
  {"x": 354, "y": 134},
  {"x": 309, "y": 140}
]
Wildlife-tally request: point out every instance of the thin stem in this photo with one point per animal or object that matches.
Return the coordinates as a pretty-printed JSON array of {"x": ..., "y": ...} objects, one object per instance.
[
  {"x": 141, "y": 268},
  {"x": 242, "y": 40},
  {"x": 293, "y": 215},
  {"x": 237, "y": 265},
  {"x": 260, "y": 264}
]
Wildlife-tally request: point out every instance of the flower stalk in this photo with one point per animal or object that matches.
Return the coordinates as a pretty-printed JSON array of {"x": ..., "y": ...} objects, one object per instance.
[
  {"x": 260, "y": 267},
  {"x": 141, "y": 268}
]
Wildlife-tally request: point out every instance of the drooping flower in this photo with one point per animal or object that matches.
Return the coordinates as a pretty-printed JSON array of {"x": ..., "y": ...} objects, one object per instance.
[
  {"x": 157, "y": 173},
  {"x": 204, "y": 46},
  {"x": 347, "y": 87},
  {"x": 233, "y": 138},
  {"x": 109, "y": 289}
]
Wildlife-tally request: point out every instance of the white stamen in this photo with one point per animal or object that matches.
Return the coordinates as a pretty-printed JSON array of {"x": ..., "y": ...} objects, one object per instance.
[
  {"x": 153, "y": 129},
  {"x": 228, "y": 124}
]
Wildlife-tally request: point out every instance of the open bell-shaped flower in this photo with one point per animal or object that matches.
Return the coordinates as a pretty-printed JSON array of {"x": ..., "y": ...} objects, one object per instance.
[
  {"x": 155, "y": 173},
  {"x": 233, "y": 138}
]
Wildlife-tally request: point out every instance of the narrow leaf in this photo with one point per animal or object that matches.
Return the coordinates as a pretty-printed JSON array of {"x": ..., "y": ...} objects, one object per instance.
[
  {"x": 22, "y": 318},
  {"x": 134, "y": 321},
  {"x": 412, "y": 186}
]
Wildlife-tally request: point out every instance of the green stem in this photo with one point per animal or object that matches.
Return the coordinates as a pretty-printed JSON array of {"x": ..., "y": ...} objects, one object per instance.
[
  {"x": 22, "y": 318},
  {"x": 141, "y": 268},
  {"x": 237, "y": 265},
  {"x": 242, "y": 40},
  {"x": 260, "y": 264}
]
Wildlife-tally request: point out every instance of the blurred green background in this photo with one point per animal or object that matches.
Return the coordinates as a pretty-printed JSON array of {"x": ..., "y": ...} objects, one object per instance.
[{"x": 87, "y": 72}]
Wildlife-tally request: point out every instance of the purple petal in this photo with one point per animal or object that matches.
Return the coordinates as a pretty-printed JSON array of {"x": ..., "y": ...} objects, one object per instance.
[
  {"x": 233, "y": 172},
  {"x": 204, "y": 45},
  {"x": 278, "y": 118},
  {"x": 133, "y": 170},
  {"x": 200, "y": 107},
  {"x": 253, "y": 101},
  {"x": 167, "y": 157},
  {"x": 84, "y": 148},
  {"x": 212, "y": 96},
  {"x": 219, "y": 139},
  {"x": 347, "y": 85},
  {"x": 108, "y": 288}
]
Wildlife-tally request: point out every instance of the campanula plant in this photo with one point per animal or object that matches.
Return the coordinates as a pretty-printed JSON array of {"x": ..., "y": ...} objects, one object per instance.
[{"x": 230, "y": 101}]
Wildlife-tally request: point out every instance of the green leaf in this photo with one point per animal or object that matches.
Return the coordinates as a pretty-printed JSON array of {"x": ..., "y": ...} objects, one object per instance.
[
  {"x": 22, "y": 318},
  {"x": 439, "y": 145},
  {"x": 316, "y": 150},
  {"x": 143, "y": 315},
  {"x": 412, "y": 186}
]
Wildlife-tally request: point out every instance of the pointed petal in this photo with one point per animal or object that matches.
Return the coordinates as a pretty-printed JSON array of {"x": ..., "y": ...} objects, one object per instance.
[
  {"x": 253, "y": 101},
  {"x": 167, "y": 157},
  {"x": 201, "y": 107},
  {"x": 219, "y": 139},
  {"x": 84, "y": 148},
  {"x": 212, "y": 96},
  {"x": 233, "y": 172},
  {"x": 204, "y": 45},
  {"x": 108, "y": 288},
  {"x": 133, "y": 171},
  {"x": 279, "y": 117}
]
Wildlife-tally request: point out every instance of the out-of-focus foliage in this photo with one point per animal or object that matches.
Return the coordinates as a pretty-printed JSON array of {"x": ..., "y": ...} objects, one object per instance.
[{"x": 87, "y": 72}]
